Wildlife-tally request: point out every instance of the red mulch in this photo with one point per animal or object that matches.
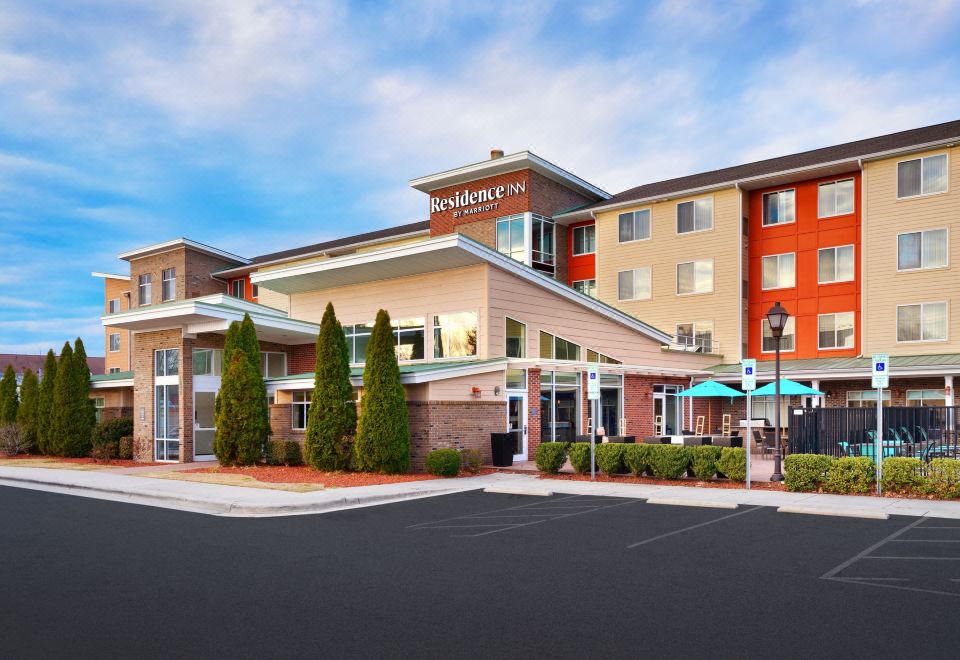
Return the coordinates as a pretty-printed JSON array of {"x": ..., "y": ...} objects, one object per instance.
[
  {"x": 278, "y": 474},
  {"x": 653, "y": 481},
  {"x": 117, "y": 462}
]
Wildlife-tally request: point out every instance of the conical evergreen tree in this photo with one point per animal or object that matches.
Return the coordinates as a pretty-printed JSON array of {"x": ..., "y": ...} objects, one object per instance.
[
  {"x": 83, "y": 413},
  {"x": 240, "y": 433},
  {"x": 28, "y": 410},
  {"x": 45, "y": 407},
  {"x": 8, "y": 396},
  {"x": 61, "y": 412},
  {"x": 332, "y": 420},
  {"x": 383, "y": 432},
  {"x": 251, "y": 346}
]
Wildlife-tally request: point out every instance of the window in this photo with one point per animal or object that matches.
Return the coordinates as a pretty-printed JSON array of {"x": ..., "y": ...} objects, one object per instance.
[
  {"x": 586, "y": 287},
  {"x": 635, "y": 226},
  {"x": 559, "y": 406},
  {"x": 358, "y": 336},
  {"x": 786, "y": 340},
  {"x": 779, "y": 271},
  {"x": 113, "y": 306},
  {"x": 207, "y": 362},
  {"x": 835, "y": 264},
  {"x": 98, "y": 405},
  {"x": 542, "y": 252},
  {"x": 695, "y": 277},
  {"x": 584, "y": 240},
  {"x": 835, "y": 198},
  {"x": 145, "y": 288},
  {"x": 866, "y": 399},
  {"x": 835, "y": 330},
  {"x": 168, "y": 284},
  {"x": 455, "y": 335},
  {"x": 516, "y": 379},
  {"x": 166, "y": 362},
  {"x": 779, "y": 208},
  {"x": 926, "y": 398},
  {"x": 273, "y": 365},
  {"x": 510, "y": 237},
  {"x": 922, "y": 322},
  {"x": 301, "y": 408},
  {"x": 594, "y": 356},
  {"x": 697, "y": 334},
  {"x": 634, "y": 284},
  {"x": 516, "y": 339},
  {"x": 114, "y": 342},
  {"x": 555, "y": 348},
  {"x": 922, "y": 176},
  {"x": 409, "y": 334},
  {"x": 113, "y": 370},
  {"x": 695, "y": 216},
  {"x": 922, "y": 249},
  {"x": 236, "y": 288}
]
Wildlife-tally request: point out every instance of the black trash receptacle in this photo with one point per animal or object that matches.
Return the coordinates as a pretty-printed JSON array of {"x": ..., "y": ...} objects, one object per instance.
[{"x": 501, "y": 446}]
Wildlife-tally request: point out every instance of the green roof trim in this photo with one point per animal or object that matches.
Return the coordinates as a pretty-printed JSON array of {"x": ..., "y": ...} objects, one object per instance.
[
  {"x": 843, "y": 364},
  {"x": 120, "y": 375},
  {"x": 405, "y": 369}
]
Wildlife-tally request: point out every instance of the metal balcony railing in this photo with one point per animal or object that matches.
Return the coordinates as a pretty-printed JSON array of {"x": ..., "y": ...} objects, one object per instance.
[{"x": 694, "y": 344}]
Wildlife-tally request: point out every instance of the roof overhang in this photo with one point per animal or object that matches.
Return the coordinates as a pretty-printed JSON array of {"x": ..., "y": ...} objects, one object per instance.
[
  {"x": 429, "y": 256},
  {"x": 214, "y": 314},
  {"x": 846, "y": 374},
  {"x": 166, "y": 246},
  {"x": 424, "y": 374},
  {"x": 111, "y": 384},
  {"x": 519, "y": 161},
  {"x": 110, "y": 276},
  {"x": 633, "y": 369}
]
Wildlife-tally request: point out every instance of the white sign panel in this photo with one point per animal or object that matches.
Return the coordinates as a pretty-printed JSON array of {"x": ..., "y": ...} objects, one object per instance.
[
  {"x": 593, "y": 383},
  {"x": 881, "y": 370},
  {"x": 748, "y": 375}
]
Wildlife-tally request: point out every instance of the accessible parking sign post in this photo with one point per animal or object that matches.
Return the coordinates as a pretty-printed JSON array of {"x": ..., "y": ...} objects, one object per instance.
[
  {"x": 593, "y": 394},
  {"x": 880, "y": 379},
  {"x": 748, "y": 383}
]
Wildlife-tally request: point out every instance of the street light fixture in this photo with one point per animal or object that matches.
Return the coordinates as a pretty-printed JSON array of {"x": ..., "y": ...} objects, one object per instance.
[{"x": 777, "y": 318}]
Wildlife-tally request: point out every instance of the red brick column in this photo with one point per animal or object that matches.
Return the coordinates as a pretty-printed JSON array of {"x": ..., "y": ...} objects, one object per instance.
[
  {"x": 281, "y": 419},
  {"x": 585, "y": 408},
  {"x": 638, "y": 405},
  {"x": 534, "y": 412}
]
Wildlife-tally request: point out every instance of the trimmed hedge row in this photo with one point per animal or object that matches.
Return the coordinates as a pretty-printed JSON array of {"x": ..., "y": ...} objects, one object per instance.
[
  {"x": 662, "y": 461},
  {"x": 810, "y": 472}
]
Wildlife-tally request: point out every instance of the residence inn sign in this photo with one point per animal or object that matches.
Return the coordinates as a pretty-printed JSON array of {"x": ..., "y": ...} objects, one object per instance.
[{"x": 477, "y": 200}]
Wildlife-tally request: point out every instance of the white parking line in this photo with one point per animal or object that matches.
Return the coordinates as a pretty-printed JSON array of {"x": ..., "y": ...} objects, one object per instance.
[{"x": 692, "y": 527}]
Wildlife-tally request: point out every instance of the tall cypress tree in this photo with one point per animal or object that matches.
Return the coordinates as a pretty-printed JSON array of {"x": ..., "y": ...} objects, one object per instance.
[
  {"x": 240, "y": 433},
  {"x": 28, "y": 410},
  {"x": 82, "y": 412},
  {"x": 61, "y": 421},
  {"x": 8, "y": 396},
  {"x": 45, "y": 407},
  {"x": 383, "y": 432},
  {"x": 332, "y": 420},
  {"x": 251, "y": 346}
]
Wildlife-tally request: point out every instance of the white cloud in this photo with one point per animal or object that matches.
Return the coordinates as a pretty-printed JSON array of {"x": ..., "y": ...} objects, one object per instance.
[{"x": 23, "y": 303}]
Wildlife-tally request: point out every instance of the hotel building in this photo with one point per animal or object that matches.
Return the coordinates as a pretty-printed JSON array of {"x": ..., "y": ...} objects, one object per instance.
[{"x": 524, "y": 273}]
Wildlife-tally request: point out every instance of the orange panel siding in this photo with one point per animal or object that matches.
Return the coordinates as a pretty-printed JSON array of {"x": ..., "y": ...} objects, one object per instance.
[
  {"x": 580, "y": 267},
  {"x": 808, "y": 299}
]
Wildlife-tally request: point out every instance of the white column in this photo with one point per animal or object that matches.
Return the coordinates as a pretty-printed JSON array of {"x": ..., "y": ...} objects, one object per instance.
[
  {"x": 948, "y": 386},
  {"x": 817, "y": 400}
]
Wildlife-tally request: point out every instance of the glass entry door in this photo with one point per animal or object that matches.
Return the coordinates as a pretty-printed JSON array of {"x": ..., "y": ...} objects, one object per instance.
[
  {"x": 167, "y": 435},
  {"x": 517, "y": 424},
  {"x": 667, "y": 406},
  {"x": 203, "y": 427}
]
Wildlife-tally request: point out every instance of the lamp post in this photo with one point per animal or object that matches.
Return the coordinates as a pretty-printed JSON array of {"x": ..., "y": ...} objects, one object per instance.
[{"x": 777, "y": 318}]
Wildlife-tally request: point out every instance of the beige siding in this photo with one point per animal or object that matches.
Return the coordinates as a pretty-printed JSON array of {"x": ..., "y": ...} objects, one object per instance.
[
  {"x": 884, "y": 288},
  {"x": 540, "y": 309},
  {"x": 461, "y": 388},
  {"x": 417, "y": 296},
  {"x": 274, "y": 299},
  {"x": 394, "y": 243},
  {"x": 665, "y": 248}
]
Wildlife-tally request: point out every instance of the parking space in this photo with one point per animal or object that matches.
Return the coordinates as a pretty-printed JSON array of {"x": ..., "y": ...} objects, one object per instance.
[{"x": 473, "y": 575}]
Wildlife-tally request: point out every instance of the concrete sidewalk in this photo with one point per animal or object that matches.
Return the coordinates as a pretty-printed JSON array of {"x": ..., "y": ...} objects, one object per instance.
[{"x": 238, "y": 501}]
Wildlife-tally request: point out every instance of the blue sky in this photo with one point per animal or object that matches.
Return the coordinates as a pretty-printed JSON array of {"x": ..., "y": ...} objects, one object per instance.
[{"x": 261, "y": 125}]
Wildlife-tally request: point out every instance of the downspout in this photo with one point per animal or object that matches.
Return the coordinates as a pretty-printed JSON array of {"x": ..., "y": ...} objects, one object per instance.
[
  {"x": 739, "y": 271},
  {"x": 863, "y": 245}
]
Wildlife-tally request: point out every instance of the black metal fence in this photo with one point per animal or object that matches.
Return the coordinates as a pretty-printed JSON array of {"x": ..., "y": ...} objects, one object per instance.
[{"x": 922, "y": 432}]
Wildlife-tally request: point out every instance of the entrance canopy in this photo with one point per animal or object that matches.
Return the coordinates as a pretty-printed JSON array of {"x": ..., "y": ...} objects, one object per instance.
[
  {"x": 787, "y": 388},
  {"x": 710, "y": 388}
]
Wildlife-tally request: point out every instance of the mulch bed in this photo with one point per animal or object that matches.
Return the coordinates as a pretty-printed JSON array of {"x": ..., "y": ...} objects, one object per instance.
[
  {"x": 278, "y": 474},
  {"x": 116, "y": 462}
]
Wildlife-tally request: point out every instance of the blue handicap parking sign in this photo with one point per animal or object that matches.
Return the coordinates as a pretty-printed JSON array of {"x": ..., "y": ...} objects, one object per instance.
[
  {"x": 749, "y": 371},
  {"x": 881, "y": 366}
]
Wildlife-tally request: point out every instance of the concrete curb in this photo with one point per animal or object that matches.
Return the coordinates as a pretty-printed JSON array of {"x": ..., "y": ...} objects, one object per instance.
[
  {"x": 514, "y": 490},
  {"x": 707, "y": 504},
  {"x": 842, "y": 513}
]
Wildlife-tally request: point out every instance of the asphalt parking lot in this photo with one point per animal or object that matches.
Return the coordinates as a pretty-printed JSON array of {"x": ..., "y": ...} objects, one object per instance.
[{"x": 473, "y": 575}]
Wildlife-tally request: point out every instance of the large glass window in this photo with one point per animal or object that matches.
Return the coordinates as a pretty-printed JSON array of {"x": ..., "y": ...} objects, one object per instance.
[
  {"x": 696, "y": 334},
  {"x": 695, "y": 216},
  {"x": 273, "y": 365},
  {"x": 786, "y": 340},
  {"x": 167, "y": 422},
  {"x": 409, "y": 334},
  {"x": 98, "y": 405},
  {"x": 611, "y": 400},
  {"x": 166, "y": 362},
  {"x": 779, "y": 271},
  {"x": 922, "y": 176},
  {"x": 557, "y": 348},
  {"x": 634, "y": 284},
  {"x": 586, "y": 287},
  {"x": 145, "y": 288},
  {"x": 835, "y": 198},
  {"x": 516, "y": 339},
  {"x": 301, "y": 408},
  {"x": 168, "y": 284},
  {"x": 835, "y": 330},
  {"x": 236, "y": 288},
  {"x": 922, "y": 322},
  {"x": 207, "y": 362},
  {"x": 455, "y": 335},
  {"x": 600, "y": 358},
  {"x": 510, "y": 237},
  {"x": 922, "y": 249},
  {"x": 560, "y": 406},
  {"x": 113, "y": 306},
  {"x": 835, "y": 264},
  {"x": 114, "y": 342},
  {"x": 779, "y": 208},
  {"x": 516, "y": 379},
  {"x": 584, "y": 240},
  {"x": 634, "y": 226},
  {"x": 695, "y": 277},
  {"x": 542, "y": 252},
  {"x": 358, "y": 336},
  {"x": 866, "y": 399},
  {"x": 926, "y": 398}
]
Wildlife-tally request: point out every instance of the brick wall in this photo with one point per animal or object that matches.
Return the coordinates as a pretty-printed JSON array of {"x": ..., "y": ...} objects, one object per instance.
[
  {"x": 638, "y": 401},
  {"x": 144, "y": 344},
  {"x": 534, "y": 412},
  {"x": 482, "y": 231},
  {"x": 455, "y": 424},
  {"x": 443, "y": 222},
  {"x": 193, "y": 268},
  {"x": 303, "y": 359},
  {"x": 281, "y": 421}
]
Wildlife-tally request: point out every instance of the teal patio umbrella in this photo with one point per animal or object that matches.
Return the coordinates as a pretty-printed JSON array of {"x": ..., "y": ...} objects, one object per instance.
[
  {"x": 787, "y": 388},
  {"x": 710, "y": 388}
]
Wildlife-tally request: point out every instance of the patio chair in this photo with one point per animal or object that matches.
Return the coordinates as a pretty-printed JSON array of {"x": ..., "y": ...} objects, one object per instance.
[
  {"x": 769, "y": 442},
  {"x": 658, "y": 425},
  {"x": 700, "y": 423},
  {"x": 725, "y": 426},
  {"x": 905, "y": 435}
]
